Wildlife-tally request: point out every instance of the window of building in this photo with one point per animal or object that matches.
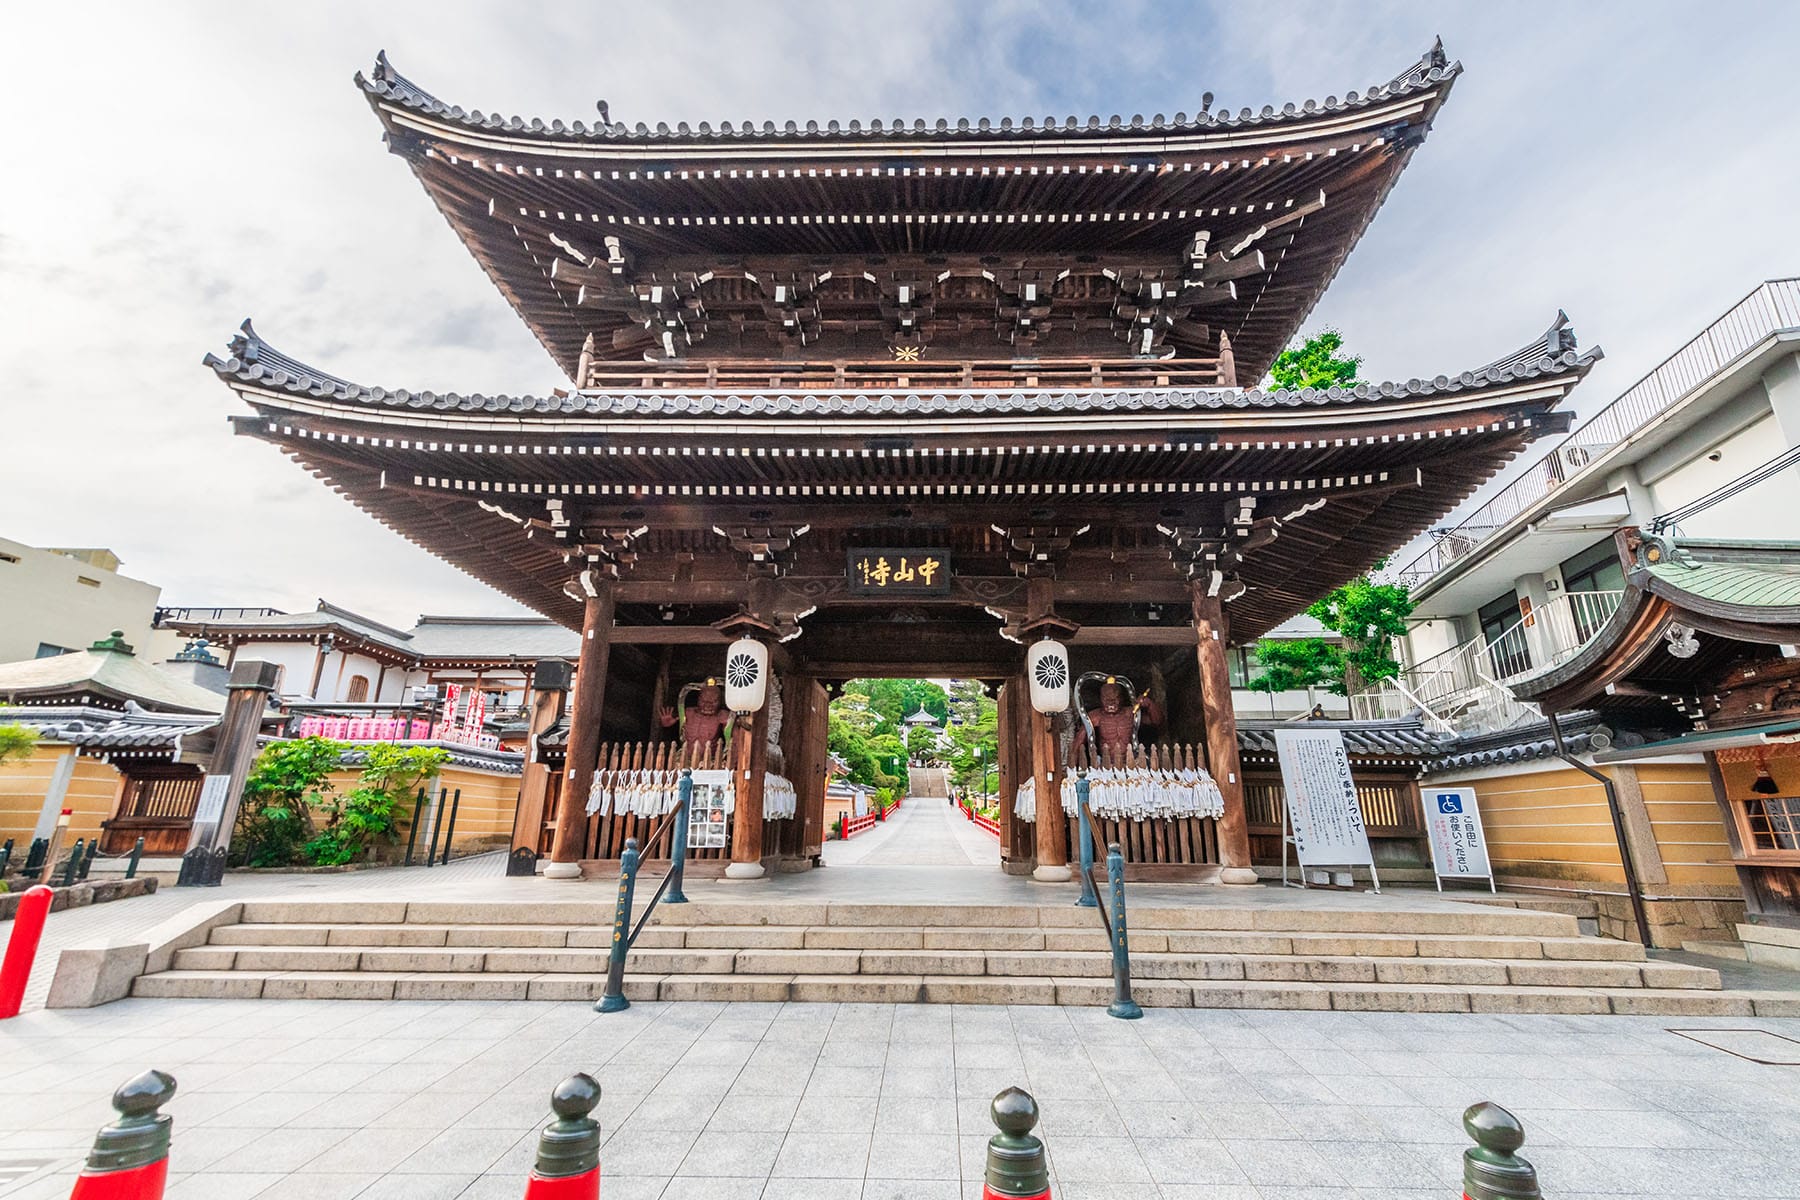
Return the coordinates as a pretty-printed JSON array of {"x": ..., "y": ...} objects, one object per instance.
[
  {"x": 359, "y": 689},
  {"x": 8, "y": 558},
  {"x": 1242, "y": 666},
  {"x": 48, "y": 650},
  {"x": 1595, "y": 569},
  {"x": 1508, "y": 653},
  {"x": 1773, "y": 822},
  {"x": 86, "y": 582}
]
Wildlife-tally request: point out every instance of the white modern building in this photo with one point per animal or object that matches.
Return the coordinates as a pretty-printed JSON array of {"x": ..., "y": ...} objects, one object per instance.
[
  {"x": 54, "y": 601},
  {"x": 1523, "y": 580}
]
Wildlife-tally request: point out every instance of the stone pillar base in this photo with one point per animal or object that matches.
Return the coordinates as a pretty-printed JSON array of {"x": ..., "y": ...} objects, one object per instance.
[
  {"x": 562, "y": 870},
  {"x": 1238, "y": 876},
  {"x": 743, "y": 870},
  {"x": 1048, "y": 873}
]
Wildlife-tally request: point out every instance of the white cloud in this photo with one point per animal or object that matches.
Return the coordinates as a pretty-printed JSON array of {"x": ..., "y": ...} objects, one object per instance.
[{"x": 173, "y": 168}]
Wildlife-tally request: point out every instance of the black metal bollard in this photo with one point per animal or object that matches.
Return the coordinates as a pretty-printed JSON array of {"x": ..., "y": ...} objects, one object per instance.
[
  {"x": 130, "y": 1157},
  {"x": 450, "y": 829},
  {"x": 5, "y": 857},
  {"x": 613, "y": 998},
  {"x": 1015, "y": 1158},
  {"x": 412, "y": 832},
  {"x": 73, "y": 864},
  {"x": 1122, "y": 1006},
  {"x": 131, "y": 863},
  {"x": 437, "y": 823},
  {"x": 34, "y": 857},
  {"x": 87, "y": 863},
  {"x": 568, "y": 1156},
  {"x": 678, "y": 848},
  {"x": 1493, "y": 1170}
]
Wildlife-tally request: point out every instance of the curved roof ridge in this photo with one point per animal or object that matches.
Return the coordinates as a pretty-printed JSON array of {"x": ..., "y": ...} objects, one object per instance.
[
  {"x": 383, "y": 82},
  {"x": 253, "y": 361}
]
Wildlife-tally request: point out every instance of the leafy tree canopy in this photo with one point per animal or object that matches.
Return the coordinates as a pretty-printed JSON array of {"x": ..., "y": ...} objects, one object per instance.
[
  {"x": 16, "y": 742},
  {"x": 1315, "y": 363}
]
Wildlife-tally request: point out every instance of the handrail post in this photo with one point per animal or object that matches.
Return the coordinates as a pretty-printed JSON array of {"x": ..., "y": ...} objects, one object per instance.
[
  {"x": 131, "y": 864},
  {"x": 412, "y": 832},
  {"x": 450, "y": 829},
  {"x": 613, "y": 998},
  {"x": 1122, "y": 1006},
  {"x": 678, "y": 848},
  {"x": 1088, "y": 897}
]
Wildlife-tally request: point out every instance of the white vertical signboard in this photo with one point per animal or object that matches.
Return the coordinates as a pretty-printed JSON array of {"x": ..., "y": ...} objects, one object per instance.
[
  {"x": 1322, "y": 810},
  {"x": 1458, "y": 842}
]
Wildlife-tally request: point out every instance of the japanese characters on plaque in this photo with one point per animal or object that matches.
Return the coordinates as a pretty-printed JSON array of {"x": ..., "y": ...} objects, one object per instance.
[
  {"x": 899, "y": 572},
  {"x": 1323, "y": 811},
  {"x": 1458, "y": 843}
]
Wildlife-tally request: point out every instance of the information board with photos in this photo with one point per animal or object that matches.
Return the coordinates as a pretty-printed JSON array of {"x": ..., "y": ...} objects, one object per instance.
[{"x": 709, "y": 818}]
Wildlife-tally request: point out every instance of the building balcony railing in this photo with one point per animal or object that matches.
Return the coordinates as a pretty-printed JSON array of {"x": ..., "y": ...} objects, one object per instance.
[
  {"x": 238, "y": 613},
  {"x": 1465, "y": 687},
  {"x": 964, "y": 374},
  {"x": 1771, "y": 309}
]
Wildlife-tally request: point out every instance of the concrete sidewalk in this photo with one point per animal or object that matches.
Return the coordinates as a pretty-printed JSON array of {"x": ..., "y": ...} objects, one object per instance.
[{"x": 330, "y": 1100}]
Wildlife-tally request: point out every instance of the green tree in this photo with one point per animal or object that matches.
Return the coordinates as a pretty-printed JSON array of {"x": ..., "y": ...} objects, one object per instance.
[
  {"x": 894, "y": 700},
  {"x": 288, "y": 779},
  {"x": 1315, "y": 363},
  {"x": 16, "y": 743},
  {"x": 865, "y": 741},
  {"x": 922, "y": 741},
  {"x": 1368, "y": 616},
  {"x": 367, "y": 814}
]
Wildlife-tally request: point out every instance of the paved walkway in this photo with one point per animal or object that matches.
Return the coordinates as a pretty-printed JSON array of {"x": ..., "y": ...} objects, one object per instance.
[
  {"x": 923, "y": 832},
  {"x": 336, "y": 1099}
]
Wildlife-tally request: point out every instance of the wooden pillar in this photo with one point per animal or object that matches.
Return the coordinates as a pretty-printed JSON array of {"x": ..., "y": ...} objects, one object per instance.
[
  {"x": 584, "y": 732},
  {"x": 749, "y": 759},
  {"x": 1221, "y": 736},
  {"x": 1004, "y": 786},
  {"x": 546, "y": 698}
]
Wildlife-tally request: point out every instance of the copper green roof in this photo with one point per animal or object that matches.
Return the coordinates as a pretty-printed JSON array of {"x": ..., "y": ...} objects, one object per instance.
[
  {"x": 109, "y": 672},
  {"x": 1744, "y": 585}
]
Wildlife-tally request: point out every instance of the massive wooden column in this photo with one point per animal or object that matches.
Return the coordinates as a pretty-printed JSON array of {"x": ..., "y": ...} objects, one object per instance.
[
  {"x": 549, "y": 688},
  {"x": 584, "y": 731},
  {"x": 1221, "y": 736},
  {"x": 749, "y": 760}
]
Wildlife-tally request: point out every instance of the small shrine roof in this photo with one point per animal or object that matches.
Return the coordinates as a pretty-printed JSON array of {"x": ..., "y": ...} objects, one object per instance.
[{"x": 108, "y": 671}]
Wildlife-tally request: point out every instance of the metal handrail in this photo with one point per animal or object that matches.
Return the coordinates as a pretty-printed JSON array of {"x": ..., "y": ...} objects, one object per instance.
[
  {"x": 1772, "y": 307},
  {"x": 1118, "y": 939},
  {"x": 625, "y": 935}
]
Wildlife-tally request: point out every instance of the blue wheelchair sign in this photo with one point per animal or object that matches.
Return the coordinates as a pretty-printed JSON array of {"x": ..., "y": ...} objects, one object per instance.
[{"x": 1449, "y": 803}]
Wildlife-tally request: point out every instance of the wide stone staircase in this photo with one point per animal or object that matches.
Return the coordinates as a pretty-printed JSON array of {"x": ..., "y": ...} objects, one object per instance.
[{"x": 1444, "y": 960}]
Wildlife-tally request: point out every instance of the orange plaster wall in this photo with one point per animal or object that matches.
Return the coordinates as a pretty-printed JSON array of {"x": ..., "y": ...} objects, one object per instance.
[
  {"x": 1550, "y": 824},
  {"x": 1690, "y": 832},
  {"x": 93, "y": 790}
]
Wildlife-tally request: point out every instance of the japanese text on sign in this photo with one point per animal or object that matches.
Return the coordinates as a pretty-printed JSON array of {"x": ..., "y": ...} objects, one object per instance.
[
  {"x": 1323, "y": 811},
  {"x": 1458, "y": 844},
  {"x": 899, "y": 572}
]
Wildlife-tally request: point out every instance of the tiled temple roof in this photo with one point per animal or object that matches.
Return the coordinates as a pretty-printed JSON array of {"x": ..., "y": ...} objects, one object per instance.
[
  {"x": 254, "y": 362},
  {"x": 383, "y": 83}
]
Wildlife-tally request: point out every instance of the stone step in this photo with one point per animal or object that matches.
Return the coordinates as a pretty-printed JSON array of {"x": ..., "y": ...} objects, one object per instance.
[
  {"x": 1465, "y": 971},
  {"x": 1465, "y": 920},
  {"x": 982, "y": 938},
  {"x": 956, "y": 989}
]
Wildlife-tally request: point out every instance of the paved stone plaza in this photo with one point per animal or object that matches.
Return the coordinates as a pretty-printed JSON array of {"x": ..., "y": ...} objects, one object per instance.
[{"x": 341, "y": 1099}]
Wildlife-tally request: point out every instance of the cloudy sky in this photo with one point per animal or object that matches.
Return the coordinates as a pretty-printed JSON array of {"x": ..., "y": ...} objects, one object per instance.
[{"x": 174, "y": 168}]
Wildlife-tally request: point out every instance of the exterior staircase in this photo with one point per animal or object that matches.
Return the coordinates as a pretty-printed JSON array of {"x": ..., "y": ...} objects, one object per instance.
[
  {"x": 927, "y": 782},
  {"x": 1480, "y": 960}
]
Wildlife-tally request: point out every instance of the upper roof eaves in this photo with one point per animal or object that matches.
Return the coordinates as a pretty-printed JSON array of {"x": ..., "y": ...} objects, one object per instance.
[
  {"x": 384, "y": 84},
  {"x": 254, "y": 363}
]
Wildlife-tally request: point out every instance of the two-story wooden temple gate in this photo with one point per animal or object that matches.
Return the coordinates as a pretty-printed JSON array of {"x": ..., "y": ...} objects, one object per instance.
[{"x": 808, "y": 362}]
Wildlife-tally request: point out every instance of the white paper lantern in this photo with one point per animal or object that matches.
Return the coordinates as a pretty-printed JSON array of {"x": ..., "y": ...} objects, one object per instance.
[
  {"x": 1047, "y": 666},
  {"x": 746, "y": 675}
]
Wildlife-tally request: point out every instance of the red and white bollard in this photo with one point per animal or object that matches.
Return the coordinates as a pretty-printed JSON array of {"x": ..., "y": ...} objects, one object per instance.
[
  {"x": 568, "y": 1157},
  {"x": 130, "y": 1158},
  {"x": 21, "y": 948}
]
